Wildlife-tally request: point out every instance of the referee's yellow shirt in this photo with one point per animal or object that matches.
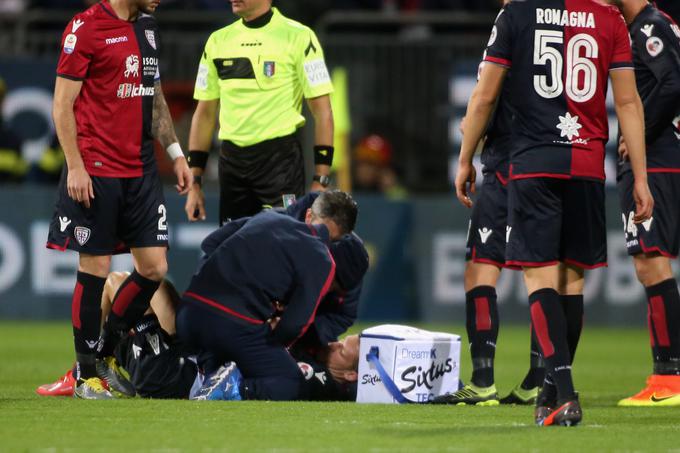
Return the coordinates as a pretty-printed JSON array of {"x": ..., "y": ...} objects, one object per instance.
[{"x": 260, "y": 76}]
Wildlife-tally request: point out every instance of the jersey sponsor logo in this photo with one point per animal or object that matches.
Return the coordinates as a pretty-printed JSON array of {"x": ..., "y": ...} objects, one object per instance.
[
  {"x": 82, "y": 234},
  {"x": 130, "y": 90},
  {"x": 569, "y": 126},
  {"x": 564, "y": 18},
  {"x": 131, "y": 66},
  {"x": 654, "y": 46},
  {"x": 251, "y": 44},
  {"x": 269, "y": 68},
  {"x": 647, "y": 30},
  {"x": 70, "y": 43},
  {"x": 76, "y": 25},
  {"x": 484, "y": 234},
  {"x": 92, "y": 344},
  {"x": 116, "y": 40},
  {"x": 317, "y": 73},
  {"x": 151, "y": 37},
  {"x": 202, "y": 77},
  {"x": 64, "y": 222},
  {"x": 151, "y": 67}
]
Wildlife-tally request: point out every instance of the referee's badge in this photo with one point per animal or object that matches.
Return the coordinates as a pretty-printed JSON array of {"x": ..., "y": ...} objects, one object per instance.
[{"x": 269, "y": 68}]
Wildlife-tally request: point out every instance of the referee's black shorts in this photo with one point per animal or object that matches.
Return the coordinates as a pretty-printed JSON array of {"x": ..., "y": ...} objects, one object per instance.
[{"x": 256, "y": 177}]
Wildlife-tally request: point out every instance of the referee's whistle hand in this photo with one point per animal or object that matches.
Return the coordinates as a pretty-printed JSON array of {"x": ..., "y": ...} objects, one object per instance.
[
  {"x": 465, "y": 176},
  {"x": 195, "y": 205}
]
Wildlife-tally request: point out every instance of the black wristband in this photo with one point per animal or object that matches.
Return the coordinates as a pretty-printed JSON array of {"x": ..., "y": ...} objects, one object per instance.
[
  {"x": 323, "y": 155},
  {"x": 198, "y": 159}
]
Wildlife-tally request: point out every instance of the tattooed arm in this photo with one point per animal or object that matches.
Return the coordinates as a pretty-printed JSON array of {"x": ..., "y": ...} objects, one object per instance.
[{"x": 164, "y": 131}]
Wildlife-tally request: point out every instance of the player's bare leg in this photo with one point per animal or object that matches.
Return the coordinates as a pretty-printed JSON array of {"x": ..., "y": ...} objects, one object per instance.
[{"x": 655, "y": 273}]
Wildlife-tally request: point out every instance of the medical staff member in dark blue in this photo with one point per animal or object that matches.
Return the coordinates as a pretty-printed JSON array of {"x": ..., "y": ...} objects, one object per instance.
[{"x": 250, "y": 267}]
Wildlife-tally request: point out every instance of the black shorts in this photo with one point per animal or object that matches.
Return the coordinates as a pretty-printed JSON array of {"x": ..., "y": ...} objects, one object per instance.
[
  {"x": 256, "y": 177},
  {"x": 660, "y": 234},
  {"x": 125, "y": 213},
  {"x": 552, "y": 220},
  {"x": 488, "y": 223},
  {"x": 157, "y": 366}
]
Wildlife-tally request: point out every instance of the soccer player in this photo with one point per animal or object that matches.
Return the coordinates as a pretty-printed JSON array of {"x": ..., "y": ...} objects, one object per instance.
[
  {"x": 232, "y": 296},
  {"x": 485, "y": 255},
  {"x": 154, "y": 362},
  {"x": 656, "y": 55},
  {"x": 256, "y": 71},
  {"x": 108, "y": 108},
  {"x": 560, "y": 52}
]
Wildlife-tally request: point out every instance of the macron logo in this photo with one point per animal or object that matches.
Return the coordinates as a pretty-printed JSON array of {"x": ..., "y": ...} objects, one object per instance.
[
  {"x": 647, "y": 30},
  {"x": 484, "y": 234},
  {"x": 76, "y": 25},
  {"x": 116, "y": 40}
]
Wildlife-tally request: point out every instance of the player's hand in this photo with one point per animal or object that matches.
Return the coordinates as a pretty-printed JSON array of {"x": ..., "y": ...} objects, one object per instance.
[
  {"x": 79, "y": 186},
  {"x": 317, "y": 187},
  {"x": 644, "y": 202},
  {"x": 466, "y": 175},
  {"x": 623, "y": 149},
  {"x": 185, "y": 178},
  {"x": 195, "y": 205}
]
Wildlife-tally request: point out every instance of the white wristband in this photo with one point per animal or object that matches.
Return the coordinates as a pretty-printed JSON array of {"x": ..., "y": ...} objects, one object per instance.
[{"x": 174, "y": 151}]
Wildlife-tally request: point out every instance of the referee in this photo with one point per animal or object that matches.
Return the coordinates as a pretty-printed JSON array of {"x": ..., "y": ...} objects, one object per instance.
[{"x": 257, "y": 70}]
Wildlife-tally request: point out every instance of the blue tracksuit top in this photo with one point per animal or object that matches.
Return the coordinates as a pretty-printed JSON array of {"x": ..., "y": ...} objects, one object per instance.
[{"x": 250, "y": 263}]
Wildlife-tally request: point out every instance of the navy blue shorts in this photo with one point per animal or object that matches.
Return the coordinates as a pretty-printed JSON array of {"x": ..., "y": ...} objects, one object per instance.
[
  {"x": 125, "y": 213},
  {"x": 552, "y": 220},
  {"x": 488, "y": 223},
  {"x": 660, "y": 234}
]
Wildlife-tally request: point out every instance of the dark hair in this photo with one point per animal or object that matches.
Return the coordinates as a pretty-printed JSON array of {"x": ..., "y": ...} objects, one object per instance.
[{"x": 337, "y": 206}]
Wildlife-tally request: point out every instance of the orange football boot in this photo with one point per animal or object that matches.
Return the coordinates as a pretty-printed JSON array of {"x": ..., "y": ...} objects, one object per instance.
[{"x": 661, "y": 390}]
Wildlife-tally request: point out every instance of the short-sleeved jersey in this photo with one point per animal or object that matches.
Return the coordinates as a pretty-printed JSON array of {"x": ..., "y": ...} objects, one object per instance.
[
  {"x": 560, "y": 52},
  {"x": 656, "y": 55},
  {"x": 117, "y": 61},
  {"x": 260, "y": 76}
]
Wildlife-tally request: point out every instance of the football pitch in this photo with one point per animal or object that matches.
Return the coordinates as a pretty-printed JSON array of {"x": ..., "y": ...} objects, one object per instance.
[{"x": 610, "y": 364}]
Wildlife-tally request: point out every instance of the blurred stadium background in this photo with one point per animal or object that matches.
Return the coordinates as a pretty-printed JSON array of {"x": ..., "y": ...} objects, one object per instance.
[{"x": 403, "y": 71}]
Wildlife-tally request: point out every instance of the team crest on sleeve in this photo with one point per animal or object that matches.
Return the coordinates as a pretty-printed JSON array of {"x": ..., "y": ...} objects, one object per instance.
[
  {"x": 269, "y": 68},
  {"x": 82, "y": 235},
  {"x": 70, "y": 43},
  {"x": 151, "y": 37},
  {"x": 654, "y": 46}
]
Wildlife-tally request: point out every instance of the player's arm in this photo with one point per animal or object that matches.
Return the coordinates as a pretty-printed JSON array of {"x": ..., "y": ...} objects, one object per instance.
[
  {"x": 200, "y": 140},
  {"x": 164, "y": 131},
  {"x": 78, "y": 182},
  {"x": 479, "y": 110},
  {"x": 632, "y": 120},
  {"x": 323, "y": 135}
]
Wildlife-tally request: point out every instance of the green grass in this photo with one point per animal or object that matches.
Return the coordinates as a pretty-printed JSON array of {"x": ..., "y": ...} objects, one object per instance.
[{"x": 611, "y": 363}]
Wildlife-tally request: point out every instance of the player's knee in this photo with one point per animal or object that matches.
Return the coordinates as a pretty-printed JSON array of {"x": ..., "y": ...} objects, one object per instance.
[
  {"x": 652, "y": 270},
  {"x": 95, "y": 265},
  {"x": 153, "y": 271}
]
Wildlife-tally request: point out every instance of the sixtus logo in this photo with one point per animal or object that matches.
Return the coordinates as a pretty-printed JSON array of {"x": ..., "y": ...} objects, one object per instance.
[
  {"x": 370, "y": 379},
  {"x": 417, "y": 376}
]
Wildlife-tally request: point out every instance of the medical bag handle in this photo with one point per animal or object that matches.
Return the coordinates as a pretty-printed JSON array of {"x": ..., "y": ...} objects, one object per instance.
[{"x": 391, "y": 387}]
